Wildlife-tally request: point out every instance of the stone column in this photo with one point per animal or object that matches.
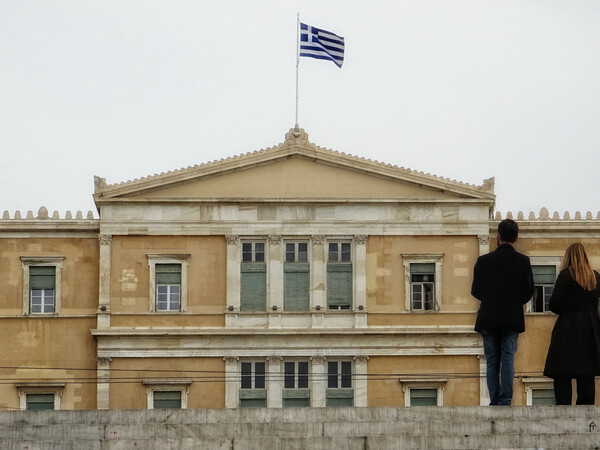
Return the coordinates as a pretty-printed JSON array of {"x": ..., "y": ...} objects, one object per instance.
[
  {"x": 319, "y": 382},
  {"x": 318, "y": 273},
  {"x": 360, "y": 380},
  {"x": 103, "y": 313},
  {"x": 232, "y": 382},
  {"x": 275, "y": 275},
  {"x": 103, "y": 384},
  {"x": 233, "y": 272},
  {"x": 274, "y": 382},
  {"x": 484, "y": 395}
]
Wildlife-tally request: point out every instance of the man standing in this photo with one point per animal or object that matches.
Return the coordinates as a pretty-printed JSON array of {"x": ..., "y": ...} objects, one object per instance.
[{"x": 503, "y": 282}]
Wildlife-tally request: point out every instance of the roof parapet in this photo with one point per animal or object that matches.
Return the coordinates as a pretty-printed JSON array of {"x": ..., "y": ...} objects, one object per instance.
[
  {"x": 43, "y": 215},
  {"x": 545, "y": 215}
]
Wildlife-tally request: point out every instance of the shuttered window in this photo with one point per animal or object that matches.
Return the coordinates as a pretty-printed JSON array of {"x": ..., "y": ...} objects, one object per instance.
[
  {"x": 168, "y": 287},
  {"x": 423, "y": 397},
  {"x": 253, "y": 393},
  {"x": 339, "y": 384},
  {"x": 167, "y": 399},
  {"x": 42, "y": 284},
  {"x": 295, "y": 382},
  {"x": 39, "y": 401},
  {"x": 339, "y": 276},
  {"x": 542, "y": 397},
  {"x": 543, "y": 279},
  {"x": 253, "y": 290},
  {"x": 296, "y": 277},
  {"x": 422, "y": 286}
]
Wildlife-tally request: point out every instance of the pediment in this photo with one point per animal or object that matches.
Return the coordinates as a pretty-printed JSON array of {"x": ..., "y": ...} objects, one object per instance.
[{"x": 294, "y": 170}]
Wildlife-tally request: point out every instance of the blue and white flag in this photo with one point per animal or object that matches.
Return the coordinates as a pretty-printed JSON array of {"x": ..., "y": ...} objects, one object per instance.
[{"x": 321, "y": 44}]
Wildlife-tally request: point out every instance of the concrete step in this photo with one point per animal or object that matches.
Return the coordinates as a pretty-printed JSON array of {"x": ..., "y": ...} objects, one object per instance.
[
  {"x": 534, "y": 441},
  {"x": 298, "y": 415}
]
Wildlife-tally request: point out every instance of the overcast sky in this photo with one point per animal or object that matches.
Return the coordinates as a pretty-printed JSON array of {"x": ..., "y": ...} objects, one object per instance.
[{"x": 461, "y": 89}]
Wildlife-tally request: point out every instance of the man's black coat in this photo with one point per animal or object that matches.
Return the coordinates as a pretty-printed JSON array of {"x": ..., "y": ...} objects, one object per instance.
[{"x": 503, "y": 282}]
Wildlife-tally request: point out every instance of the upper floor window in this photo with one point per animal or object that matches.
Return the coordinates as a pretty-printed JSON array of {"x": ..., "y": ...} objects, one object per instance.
[
  {"x": 168, "y": 282},
  {"x": 425, "y": 392},
  {"x": 40, "y": 396},
  {"x": 296, "y": 277},
  {"x": 543, "y": 280},
  {"x": 340, "y": 391},
  {"x": 423, "y": 281},
  {"x": 545, "y": 270},
  {"x": 167, "y": 393},
  {"x": 253, "y": 393},
  {"x": 253, "y": 289},
  {"x": 339, "y": 275},
  {"x": 41, "y": 281}
]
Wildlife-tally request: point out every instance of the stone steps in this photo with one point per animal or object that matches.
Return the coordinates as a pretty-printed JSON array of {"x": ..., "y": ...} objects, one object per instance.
[{"x": 301, "y": 428}]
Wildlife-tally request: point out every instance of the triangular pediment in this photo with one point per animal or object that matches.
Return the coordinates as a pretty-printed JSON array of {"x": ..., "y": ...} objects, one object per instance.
[{"x": 294, "y": 170}]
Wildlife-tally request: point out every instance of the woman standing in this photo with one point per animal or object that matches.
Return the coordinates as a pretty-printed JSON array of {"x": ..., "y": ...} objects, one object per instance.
[{"x": 575, "y": 344}]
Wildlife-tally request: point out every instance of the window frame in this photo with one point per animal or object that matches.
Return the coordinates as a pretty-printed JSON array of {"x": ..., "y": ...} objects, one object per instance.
[
  {"x": 161, "y": 385},
  {"x": 555, "y": 261},
  {"x": 46, "y": 261},
  {"x": 55, "y": 389},
  {"x": 534, "y": 383},
  {"x": 244, "y": 306},
  {"x": 340, "y": 391},
  {"x": 296, "y": 392},
  {"x": 351, "y": 263},
  {"x": 430, "y": 383},
  {"x": 252, "y": 393},
  {"x": 423, "y": 258},
  {"x": 288, "y": 267},
  {"x": 153, "y": 260}
]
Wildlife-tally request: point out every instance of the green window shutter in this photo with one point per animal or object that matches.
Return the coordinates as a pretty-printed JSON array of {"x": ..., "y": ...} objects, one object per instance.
[
  {"x": 296, "y": 284},
  {"x": 168, "y": 274},
  {"x": 253, "y": 294},
  {"x": 42, "y": 277},
  {"x": 422, "y": 268},
  {"x": 167, "y": 399},
  {"x": 542, "y": 397},
  {"x": 340, "y": 397},
  {"x": 339, "y": 284},
  {"x": 544, "y": 274},
  {"x": 39, "y": 401},
  {"x": 423, "y": 397},
  {"x": 253, "y": 398},
  {"x": 296, "y": 398}
]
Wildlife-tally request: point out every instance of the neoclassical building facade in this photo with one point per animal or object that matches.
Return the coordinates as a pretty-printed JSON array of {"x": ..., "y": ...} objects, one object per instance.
[{"x": 293, "y": 276}]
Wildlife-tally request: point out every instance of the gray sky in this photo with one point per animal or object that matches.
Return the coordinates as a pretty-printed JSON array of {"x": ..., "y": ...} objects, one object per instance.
[{"x": 462, "y": 89}]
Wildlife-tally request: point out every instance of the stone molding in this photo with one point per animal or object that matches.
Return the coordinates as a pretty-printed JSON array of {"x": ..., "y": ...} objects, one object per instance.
[
  {"x": 232, "y": 239},
  {"x": 105, "y": 239}
]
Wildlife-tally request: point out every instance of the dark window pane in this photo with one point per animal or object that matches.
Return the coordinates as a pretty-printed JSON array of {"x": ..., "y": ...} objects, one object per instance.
[
  {"x": 333, "y": 252},
  {"x": 289, "y": 375},
  {"x": 332, "y": 374},
  {"x": 302, "y": 252},
  {"x": 345, "y": 252},
  {"x": 346, "y": 374},
  {"x": 259, "y": 377},
  {"x": 246, "y": 375},
  {"x": 302, "y": 375}
]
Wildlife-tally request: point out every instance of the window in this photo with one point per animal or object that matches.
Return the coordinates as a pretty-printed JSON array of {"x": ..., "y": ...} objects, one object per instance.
[
  {"x": 167, "y": 393},
  {"x": 253, "y": 291},
  {"x": 543, "y": 279},
  {"x": 40, "y": 396},
  {"x": 542, "y": 397},
  {"x": 296, "y": 277},
  {"x": 41, "y": 281},
  {"x": 539, "y": 391},
  {"x": 339, "y": 384},
  {"x": 253, "y": 393},
  {"x": 339, "y": 275},
  {"x": 423, "y": 392},
  {"x": 423, "y": 281},
  {"x": 295, "y": 382},
  {"x": 168, "y": 282},
  {"x": 422, "y": 286}
]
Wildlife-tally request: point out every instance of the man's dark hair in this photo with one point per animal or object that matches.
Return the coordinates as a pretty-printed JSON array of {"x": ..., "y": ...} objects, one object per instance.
[{"x": 508, "y": 230}]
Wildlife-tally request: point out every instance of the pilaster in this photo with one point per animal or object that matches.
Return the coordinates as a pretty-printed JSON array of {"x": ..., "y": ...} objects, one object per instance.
[
  {"x": 275, "y": 274},
  {"x": 233, "y": 272},
  {"x": 232, "y": 382},
  {"x": 103, "y": 384},
  {"x": 318, "y": 273},
  {"x": 319, "y": 382},
  {"x": 103, "y": 313},
  {"x": 274, "y": 382},
  {"x": 360, "y": 378},
  {"x": 360, "y": 267}
]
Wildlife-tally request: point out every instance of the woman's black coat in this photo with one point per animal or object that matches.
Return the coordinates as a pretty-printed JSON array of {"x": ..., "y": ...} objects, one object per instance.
[{"x": 575, "y": 343}]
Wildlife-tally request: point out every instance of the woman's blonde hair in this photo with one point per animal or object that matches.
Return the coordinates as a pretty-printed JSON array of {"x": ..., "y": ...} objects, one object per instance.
[{"x": 576, "y": 260}]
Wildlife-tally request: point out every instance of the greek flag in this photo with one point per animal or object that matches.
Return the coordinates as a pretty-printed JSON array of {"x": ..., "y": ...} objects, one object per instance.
[{"x": 321, "y": 44}]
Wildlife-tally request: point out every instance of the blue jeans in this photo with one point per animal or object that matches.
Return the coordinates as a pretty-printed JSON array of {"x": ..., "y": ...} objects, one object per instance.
[{"x": 499, "y": 348}]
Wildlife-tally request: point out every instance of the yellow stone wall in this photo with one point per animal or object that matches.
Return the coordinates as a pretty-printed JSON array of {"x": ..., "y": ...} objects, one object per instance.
[{"x": 127, "y": 390}]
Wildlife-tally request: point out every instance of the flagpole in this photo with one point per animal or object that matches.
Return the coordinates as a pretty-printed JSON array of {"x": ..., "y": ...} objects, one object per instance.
[{"x": 297, "y": 61}]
